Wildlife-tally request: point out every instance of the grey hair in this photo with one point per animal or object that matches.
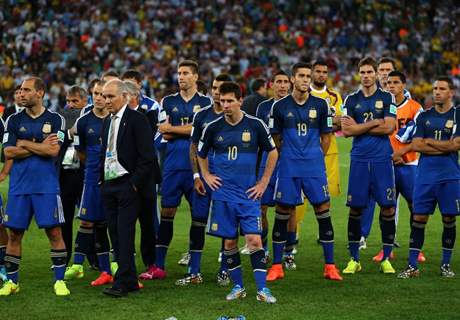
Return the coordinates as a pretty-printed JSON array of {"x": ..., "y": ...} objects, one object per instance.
[
  {"x": 120, "y": 85},
  {"x": 131, "y": 88}
]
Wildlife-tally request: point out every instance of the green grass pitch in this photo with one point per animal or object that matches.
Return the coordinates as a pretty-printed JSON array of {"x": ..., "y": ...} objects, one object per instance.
[{"x": 303, "y": 294}]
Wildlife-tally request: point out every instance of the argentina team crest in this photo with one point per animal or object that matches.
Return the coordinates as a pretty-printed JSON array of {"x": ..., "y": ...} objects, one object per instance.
[
  {"x": 46, "y": 129},
  {"x": 246, "y": 136},
  {"x": 449, "y": 124},
  {"x": 196, "y": 108},
  {"x": 313, "y": 114},
  {"x": 379, "y": 104}
]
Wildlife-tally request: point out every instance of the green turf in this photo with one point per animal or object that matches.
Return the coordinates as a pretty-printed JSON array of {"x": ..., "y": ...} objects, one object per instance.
[{"x": 303, "y": 294}]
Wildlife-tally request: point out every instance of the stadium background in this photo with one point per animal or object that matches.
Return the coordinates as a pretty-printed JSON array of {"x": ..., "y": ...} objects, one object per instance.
[{"x": 71, "y": 42}]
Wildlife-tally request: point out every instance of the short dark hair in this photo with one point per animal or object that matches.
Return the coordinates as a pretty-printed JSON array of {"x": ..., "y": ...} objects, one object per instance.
[
  {"x": 193, "y": 65},
  {"x": 92, "y": 84},
  {"x": 448, "y": 80},
  {"x": 257, "y": 84},
  {"x": 223, "y": 77},
  {"x": 387, "y": 60},
  {"x": 230, "y": 87},
  {"x": 132, "y": 74},
  {"x": 319, "y": 62},
  {"x": 299, "y": 65},
  {"x": 110, "y": 73},
  {"x": 17, "y": 87},
  {"x": 280, "y": 73},
  {"x": 201, "y": 87},
  {"x": 77, "y": 91},
  {"x": 399, "y": 74},
  {"x": 368, "y": 61},
  {"x": 39, "y": 84}
]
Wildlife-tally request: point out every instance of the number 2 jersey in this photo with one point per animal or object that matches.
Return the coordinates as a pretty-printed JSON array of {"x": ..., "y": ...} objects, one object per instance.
[{"x": 235, "y": 150}]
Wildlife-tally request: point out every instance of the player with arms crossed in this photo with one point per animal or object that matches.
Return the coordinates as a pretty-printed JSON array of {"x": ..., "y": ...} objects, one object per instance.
[{"x": 437, "y": 181}]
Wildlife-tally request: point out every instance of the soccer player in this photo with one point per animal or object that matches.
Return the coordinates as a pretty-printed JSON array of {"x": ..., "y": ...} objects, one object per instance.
[
  {"x": 319, "y": 88},
  {"x": 281, "y": 87},
  {"x": 32, "y": 139},
  {"x": 93, "y": 223},
  {"x": 369, "y": 117},
  {"x": 175, "y": 119},
  {"x": 235, "y": 140},
  {"x": 145, "y": 103},
  {"x": 304, "y": 125},
  {"x": 437, "y": 181},
  {"x": 201, "y": 191},
  {"x": 404, "y": 158}
]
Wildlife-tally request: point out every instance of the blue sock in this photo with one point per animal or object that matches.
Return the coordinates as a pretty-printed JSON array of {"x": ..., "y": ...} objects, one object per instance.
[
  {"x": 326, "y": 235},
  {"x": 417, "y": 237},
  {"x": 161, "y": 256},
  {"x": 448, "y": 241},
  {"x": 59, "y": 258},
  {"x": 388, "y": 229},
  {"x": 223, "y": 264},
  {"x": 279, "y": 236},
  {"x": 354, "y": 234},
  {"x": 265, "y": 239},
  {"x": 259, "y": 267},
  {"x": 195, "y": 262},
  {"x": 165, "y": 234},
  {"x": 290, "y": 243},
  {"x": 83, "y": 243},
  {"x": 104, "y": 262},
  {"x": 78, "y": 258},
  {"x": 2, "y": 255},
  {"x": 12, "y": 267},
  {"x": 232, "y": 257}
]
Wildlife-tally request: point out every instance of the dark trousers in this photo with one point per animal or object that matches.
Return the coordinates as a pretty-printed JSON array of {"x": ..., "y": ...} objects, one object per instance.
[
  {"x": 121, "y": 204},
  {"x": 148, "y": 222},
  {"x": 71, "y": 184}
]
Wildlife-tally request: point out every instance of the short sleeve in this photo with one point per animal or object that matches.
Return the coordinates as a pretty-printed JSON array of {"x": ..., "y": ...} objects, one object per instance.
[
  {"x": 196, "y": 127},
  {"x": 162, "y": 112},
  {"x": 419, "y": 127},
  {"x": 389, "y": 107},
  {"x": 456, "y": 131},
  {"x": 10, "y": 136},
  {"x": 58, "y": 127},
  {"x": 206, "y": 141},
  {"x": 276, "y": 120},
  {"x": 265, "y": 139},
  {"x": 348, "y": 107},
  {"x": 79, "y": 138},
  {"x": 325, "y": 120}
]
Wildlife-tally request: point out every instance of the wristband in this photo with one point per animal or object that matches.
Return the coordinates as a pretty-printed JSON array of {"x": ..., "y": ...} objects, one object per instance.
[{"x": 196, "y": 175}]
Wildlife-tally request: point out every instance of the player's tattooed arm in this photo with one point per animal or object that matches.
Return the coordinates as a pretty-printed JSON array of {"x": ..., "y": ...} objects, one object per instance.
[
  {"x": 48, "y": 148},
  {"x": 398, "y": 155},
  {"x": 197, "y": 183},
  {"x": 258, "y": 189},
  {"x": 213, "y": 181},
  {"x": 444, "y": 146},
  {"x": 16, "y": 152},
  {"x": 350, "y": 128},
  {"x": 325, "y": 142},
  {"x": 420, "y": 145}
]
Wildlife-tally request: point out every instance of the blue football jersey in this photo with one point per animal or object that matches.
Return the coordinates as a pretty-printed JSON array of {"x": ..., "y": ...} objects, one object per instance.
[
  {"x": 180, "y": 112},
  {"x": 438, "y": 126},
  {"x": 87, "y": 139},
  {"x": 235, "y": 150},
  {"x": 148, "y": 103},
  {"x": 381, "y": 104},
  {"x": 34, "y": 174},
  {"x": 300, "y": 127}
]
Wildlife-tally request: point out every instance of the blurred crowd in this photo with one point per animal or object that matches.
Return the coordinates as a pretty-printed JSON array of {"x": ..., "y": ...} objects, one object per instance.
[{"x": 71, "y": 42}]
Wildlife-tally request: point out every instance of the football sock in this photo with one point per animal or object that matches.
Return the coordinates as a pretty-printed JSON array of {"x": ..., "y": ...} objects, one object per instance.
[
  {"x": 223, "y": 264},
  {"x": 354, "y": 235},
  {"x": 290, "y": 242},
  {"x": 164, "y": 239},
  {"x": 417, "y": 237},
  {"x": 12, "y": 267},
  {"x": 259, "y": 267},
  {"x": 326, "y": 235},
  {"x": 448, "y": 241},
  {"x": 233, "y": 262},
  {"x": 83, "y": 242},
  {"x": 279, "y": 236},
  {"x": 2, "y": 255},
  {"x": 58, "y": 258},
  {"x": 102, "y": 247},
  {"x": 388, "y": 229},
  {"x": 265, "y": 238},
  {"x": 196, "y": 244}
]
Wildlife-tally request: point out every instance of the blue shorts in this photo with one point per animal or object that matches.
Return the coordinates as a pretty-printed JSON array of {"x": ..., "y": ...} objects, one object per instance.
[
  {"x": 227, "y": 216},
  {"x": 268, "y": 198},
  {"x": 288, "y": 191},
  {"x": 91, "y": 208},
  {"x": 404, "y": 180},
  {"x": 176, "y": 184},
  {"x": 445, "y": 194},
  {"x": 47, "y": 209},
  {"x": 371, "y": 178},
  {"x": 201, "y": 204}
]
